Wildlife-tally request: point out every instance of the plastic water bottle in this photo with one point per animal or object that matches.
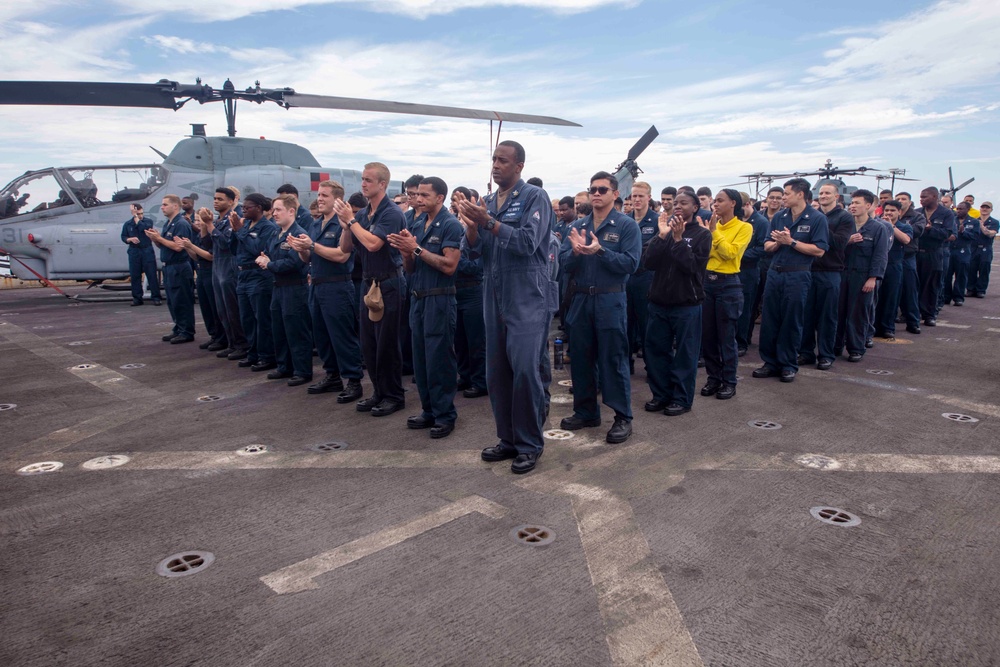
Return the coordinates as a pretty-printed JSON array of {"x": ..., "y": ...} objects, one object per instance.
[{"x": 558, "y": 349}]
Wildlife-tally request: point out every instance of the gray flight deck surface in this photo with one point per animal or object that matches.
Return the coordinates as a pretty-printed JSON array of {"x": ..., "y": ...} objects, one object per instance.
[{"x": 692, "y": 543}]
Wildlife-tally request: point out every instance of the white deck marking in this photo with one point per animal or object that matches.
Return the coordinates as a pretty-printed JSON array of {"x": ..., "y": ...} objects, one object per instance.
[
  {"x": 642, "y": 622},
  {"x": 300, "y": 576}
]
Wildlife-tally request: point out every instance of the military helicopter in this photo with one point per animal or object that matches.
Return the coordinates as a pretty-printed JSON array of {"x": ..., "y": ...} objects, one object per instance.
[
  {"x": 951, "y": 182},
  {"x": 64, "y": 223},
  {"x": 828, "y": 173},
  {"x": 628, "y": 171}
]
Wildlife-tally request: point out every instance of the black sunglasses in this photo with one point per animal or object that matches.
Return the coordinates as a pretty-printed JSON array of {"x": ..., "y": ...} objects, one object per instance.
[{"x": 602, "y": 189}]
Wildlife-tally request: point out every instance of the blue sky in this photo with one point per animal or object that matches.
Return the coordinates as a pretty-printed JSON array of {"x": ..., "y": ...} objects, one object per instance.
[{"x": 733, "y": 87}]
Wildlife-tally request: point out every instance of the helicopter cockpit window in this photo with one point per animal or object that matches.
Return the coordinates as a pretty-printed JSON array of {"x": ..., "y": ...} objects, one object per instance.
[
  {"x": 35, "y": 192},
  {"x": 112, "y": 185}
]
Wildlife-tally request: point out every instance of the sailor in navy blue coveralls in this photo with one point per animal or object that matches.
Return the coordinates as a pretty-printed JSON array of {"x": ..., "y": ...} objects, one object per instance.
[
  {"x": 982, "y": 252},
  {"x": 380, "y": 343},
  {"x": 178, "y": 276},
  {"x": 640, "y": 281},
  {"x": 866, "y": 257},
  {"x": 431, "y": 249},
  {"x": 512, "y": 234},
  {"x": 966, "y": 236},
  {"x": 333, "y": 301},
  {"x": 141, "y": 258},
  {"x": 253, "y": 235},
  {"x": 290, "y": 321},
  {"x": 799, "y": 233},
  {"x": 225, "y": 277},
  {"x": 600, "y": 254}
]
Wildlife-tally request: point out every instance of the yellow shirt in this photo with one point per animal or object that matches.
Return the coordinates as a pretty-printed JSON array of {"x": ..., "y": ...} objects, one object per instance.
[{"x": 729, "y": 240}]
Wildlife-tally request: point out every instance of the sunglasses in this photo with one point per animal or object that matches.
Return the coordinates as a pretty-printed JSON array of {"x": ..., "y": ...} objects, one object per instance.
[{"x": 600, "y": 189}]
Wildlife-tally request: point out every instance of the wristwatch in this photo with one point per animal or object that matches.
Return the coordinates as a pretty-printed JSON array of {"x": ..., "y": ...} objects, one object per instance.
[
  {"x": 600, "y": 251},
  {"x": 417, "y": 251},
  {"x": 313, "y": 246},
  {"x": 794, "y": 243},
  {"x": 491, "y": 224}
]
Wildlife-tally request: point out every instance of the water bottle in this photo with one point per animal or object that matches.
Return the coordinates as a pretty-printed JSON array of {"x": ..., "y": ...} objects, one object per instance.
[{"x": 558, "y": 347}]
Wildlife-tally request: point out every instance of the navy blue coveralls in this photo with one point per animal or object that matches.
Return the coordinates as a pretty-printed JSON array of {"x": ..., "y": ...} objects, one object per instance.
[
  {"x": 892, "y": 284},
  {"x": 787, "y": 287},
  {"x": 178, "y": 278},
  {"x": 957, "y": 279},
  {"x": 470, "y": 333},
  {"x": 333, "y": 303},
  {"x": 433, "y": 314},
  {"x": 224, "y": 279},
  {"x": 597, "y": 316},
  {"x": 673, "y": 335},
  {"x": 206, "y": 293},
  {"x": 982, "y": 258},
  {"x": 930, "y": 258},
  {"x": 380, "y": 341},
  {"x": 758, "y": 302},
  {"x": 545, "y": 361},
  {"x": 750, "y": 277},
  {"x": 909, "y": 297},
  {"x": 518, "y": 301},
  {"x": 819, "y": 330},
  {"x": 290, "y": 322},
  {"x": 254, "y": 287},
  {"x": 865, "y": 259},
  {"x": 141, "y": 259},
  {"x": 637, "y": 288}
]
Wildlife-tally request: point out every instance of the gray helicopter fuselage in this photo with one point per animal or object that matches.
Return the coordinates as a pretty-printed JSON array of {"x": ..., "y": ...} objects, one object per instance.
[{"x": 68, "y": 227}]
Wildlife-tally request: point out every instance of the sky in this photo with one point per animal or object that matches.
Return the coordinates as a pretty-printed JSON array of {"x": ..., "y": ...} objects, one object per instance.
[{"x": 733, "y": 87}]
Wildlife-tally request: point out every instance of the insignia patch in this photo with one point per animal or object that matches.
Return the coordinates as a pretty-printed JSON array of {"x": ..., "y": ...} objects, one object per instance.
[
  {"x": 253, "y": 235},
  {"x": 804, "y": 228},
  {"x": 536, "y": 216},
  {"x": 329, "y": 235},
  {"x": 284, "y": 245},
  {"x": 649, "y": 230},
  {"x": 434, "y": 239},
  {"x": 611, "y": 238},
  {"x": 170, "y": 235},
  {"x": 712, "y": 276}
]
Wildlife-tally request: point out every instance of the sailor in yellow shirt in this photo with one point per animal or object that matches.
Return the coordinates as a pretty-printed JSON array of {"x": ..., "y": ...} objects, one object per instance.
[{"x": 723, "y": 303}]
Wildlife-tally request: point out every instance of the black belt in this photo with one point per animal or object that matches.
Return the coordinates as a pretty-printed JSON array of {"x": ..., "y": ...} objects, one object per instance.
[
  {"x": 248, "y": 267},
  {"x": 460, "y": 284},
  {"x": 384, "y": 276},
  {"x": 339, "y": 278},
  {"x": 598, "y": 290},
  {"x": 748, "y": 264},
  {"x": 177, "y": 263},
  {"x": 289, "y": 282},
  {"x": 437, "y": 291},
  {"x": 790, "y": 269}
]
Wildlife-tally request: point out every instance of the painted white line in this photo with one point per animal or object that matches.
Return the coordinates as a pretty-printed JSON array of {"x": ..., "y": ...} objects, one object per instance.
[
  {"x": 992, "y": 330},
  {"x": 946, "y": 325},
  {"x": 642, "y": 621},
  {"x": 882, "y": 463},
  {"x": 300, "y": 576},
  {"x": 403, "y": 458}
]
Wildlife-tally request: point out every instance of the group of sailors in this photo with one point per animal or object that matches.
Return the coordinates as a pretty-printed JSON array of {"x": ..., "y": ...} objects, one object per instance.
[{"x": 461, "y": 291}]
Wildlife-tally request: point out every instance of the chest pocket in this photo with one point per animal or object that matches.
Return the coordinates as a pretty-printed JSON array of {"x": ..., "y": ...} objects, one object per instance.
[
  {"x": 433, "y": 242},
  {"x": 610, "y": 239},
  {"x": 802, "y": 233},
  {"x": 512, "y": 216}
]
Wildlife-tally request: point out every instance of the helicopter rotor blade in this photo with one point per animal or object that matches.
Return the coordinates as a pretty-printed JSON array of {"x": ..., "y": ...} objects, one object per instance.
[
  {"x": 963, "y": 185},
  {"x": 643, "y": 143},
  {"x": 83, "y": 93},
  {"x": 172, "y": 95},
  {"x": 293, "y": 99},
  {"x": 951, "y": 181}
]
